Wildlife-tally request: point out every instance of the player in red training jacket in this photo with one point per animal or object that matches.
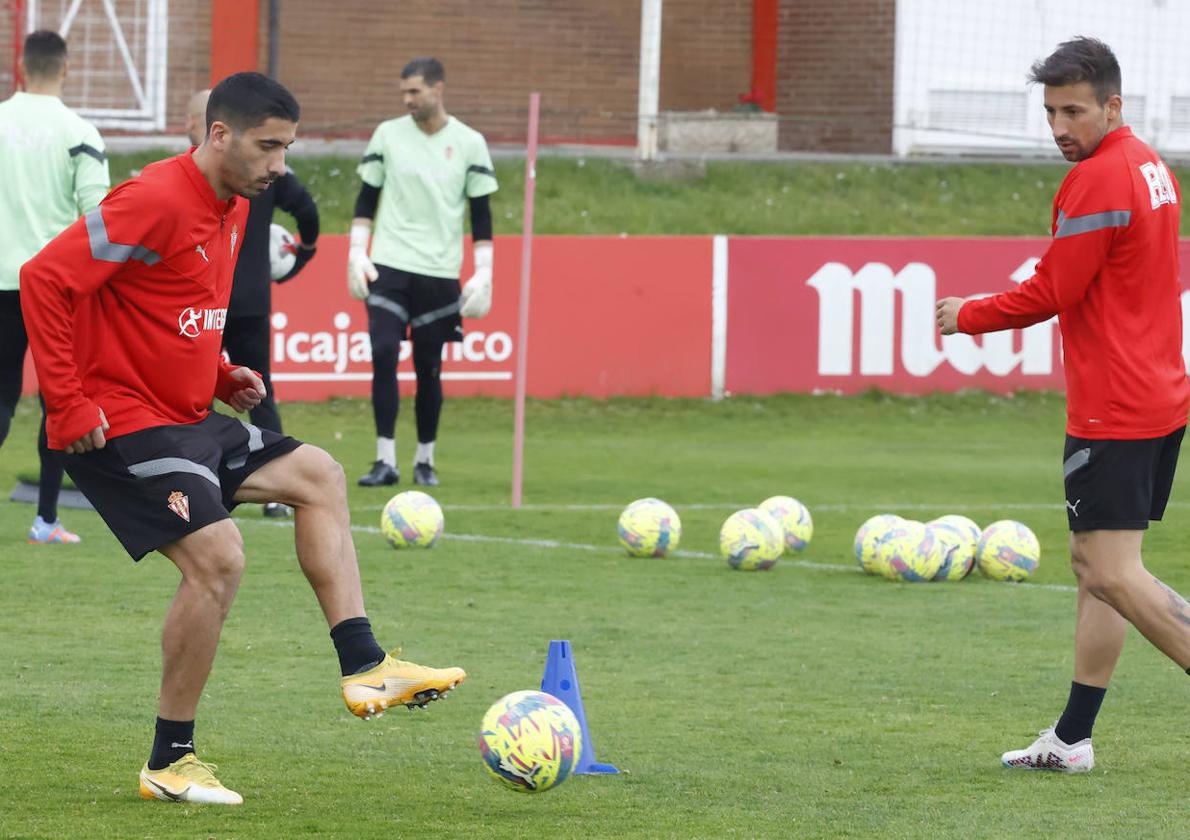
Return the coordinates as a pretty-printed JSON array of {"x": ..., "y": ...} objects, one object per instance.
[
  {"x": 1111, "y": 276},
  {"x": 125, "y": 312}
]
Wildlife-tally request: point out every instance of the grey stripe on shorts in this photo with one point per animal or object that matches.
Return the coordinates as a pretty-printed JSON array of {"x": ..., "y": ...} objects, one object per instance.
[
  {"x": 435, "y": 315},
  {"x": 255, "y": 444},
  {"x": 381, "y": 302},
  {"x": 1080, "y": 458},
  {"x": 165, "y": 466}
]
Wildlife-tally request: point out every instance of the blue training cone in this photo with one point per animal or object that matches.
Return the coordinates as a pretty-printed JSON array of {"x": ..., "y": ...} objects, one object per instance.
[{"x": 561, "y": 680}]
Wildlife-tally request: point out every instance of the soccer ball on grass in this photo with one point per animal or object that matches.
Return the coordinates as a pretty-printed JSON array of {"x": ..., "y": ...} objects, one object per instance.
[
  {"x": 412, "y": 520},
  {"x": 649, "y": 528},
  {"x": 794, "y": 518},
  {"x": 530, "y": 741},
  {"x": 751, "y": 540},
  {"x": 1008, "y": 550}
]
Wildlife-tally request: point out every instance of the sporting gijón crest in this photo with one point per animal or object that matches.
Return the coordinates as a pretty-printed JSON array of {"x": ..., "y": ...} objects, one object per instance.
[{"x": 179, "y": 503}]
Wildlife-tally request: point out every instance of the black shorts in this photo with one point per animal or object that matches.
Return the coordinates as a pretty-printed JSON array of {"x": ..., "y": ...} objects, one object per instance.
[
  {"x": 1119, "y": 485},
  {"x": 157, "y": 485},
  {"x": 427, "y": 306}
]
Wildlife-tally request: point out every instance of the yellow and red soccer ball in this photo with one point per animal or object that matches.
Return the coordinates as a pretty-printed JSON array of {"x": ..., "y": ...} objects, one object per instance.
[{"x": 530, "y": 741}]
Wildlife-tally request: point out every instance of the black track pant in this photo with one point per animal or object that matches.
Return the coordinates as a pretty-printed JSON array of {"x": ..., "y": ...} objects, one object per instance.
[
  {"x": 13, "y": 342},
  {"x": 246, "y": 339}
]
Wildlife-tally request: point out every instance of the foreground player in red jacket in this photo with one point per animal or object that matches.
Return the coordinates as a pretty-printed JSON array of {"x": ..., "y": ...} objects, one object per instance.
[
  {"x": 125, "y": 312},
  {"x": 1111, "y": 276}
]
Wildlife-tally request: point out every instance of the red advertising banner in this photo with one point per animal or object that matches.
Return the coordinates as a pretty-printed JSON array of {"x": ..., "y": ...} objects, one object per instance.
[
  {"x": 851, "y": 314},
  {"x": 609, "y": 316}
]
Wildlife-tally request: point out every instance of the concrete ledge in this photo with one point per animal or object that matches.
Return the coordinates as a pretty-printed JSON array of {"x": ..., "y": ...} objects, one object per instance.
[{"x": 713, "y": 132}]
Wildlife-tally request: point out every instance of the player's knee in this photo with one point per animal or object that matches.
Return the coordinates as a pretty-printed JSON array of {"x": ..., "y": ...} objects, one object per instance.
[
  {"x": 386, "y": 347},
  {"x": 322, "y": 477},
  {"x": 216, "y": 563}
]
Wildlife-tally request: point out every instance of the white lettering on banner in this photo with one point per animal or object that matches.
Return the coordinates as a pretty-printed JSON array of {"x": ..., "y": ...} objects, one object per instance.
[
  {"x": 878, "y": 286},
  {"x": 343, "y": 346}
]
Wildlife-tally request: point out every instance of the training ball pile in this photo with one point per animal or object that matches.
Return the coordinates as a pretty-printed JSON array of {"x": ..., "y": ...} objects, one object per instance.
[
  {"x": 751, "y": 540},
  {"x": 412, "y": 520},
  {"x": 1008, "y": 550},
  {"x": 649, "y": 528},
  {"x": 530, "y": 741},
  {"x": 945, "y": 549}
]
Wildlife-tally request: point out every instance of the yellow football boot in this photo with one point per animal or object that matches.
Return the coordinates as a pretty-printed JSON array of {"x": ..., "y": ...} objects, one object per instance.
[
  {"x": 186, "y": 780},
  {"x": 395, "y": 682}
]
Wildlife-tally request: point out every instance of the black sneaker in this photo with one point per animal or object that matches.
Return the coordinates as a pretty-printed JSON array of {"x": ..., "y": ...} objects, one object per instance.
[
  {"x": 424, "y": 474},
  {"x": 276, "y": 510},
  {"x": 380, "y": 475}
]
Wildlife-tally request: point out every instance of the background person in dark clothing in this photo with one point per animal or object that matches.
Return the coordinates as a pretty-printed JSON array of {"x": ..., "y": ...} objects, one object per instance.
[{"x": 246, "y": 335}]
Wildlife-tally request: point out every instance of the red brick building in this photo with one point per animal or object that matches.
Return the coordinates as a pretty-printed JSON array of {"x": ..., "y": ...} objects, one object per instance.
[{"x": 834, "y": 62}]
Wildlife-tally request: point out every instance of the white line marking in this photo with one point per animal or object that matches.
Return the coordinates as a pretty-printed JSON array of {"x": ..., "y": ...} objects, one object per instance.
[
  {"x": 447, "y": 376},
  {"x": 835, "y": 507},
  {"x": 608, "y": 549}
]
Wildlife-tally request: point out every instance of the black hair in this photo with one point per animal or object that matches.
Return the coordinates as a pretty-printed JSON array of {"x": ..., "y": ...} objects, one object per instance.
[
  {"x": 430, "y": 69},
  {"x": 44, "y": 54},
  {"x": 245, "y": 100},
  {"x": 1080, "y": 59}
]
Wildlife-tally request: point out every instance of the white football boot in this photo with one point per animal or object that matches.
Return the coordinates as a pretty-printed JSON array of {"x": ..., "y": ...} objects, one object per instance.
[{"x": 1049, "y": 752}]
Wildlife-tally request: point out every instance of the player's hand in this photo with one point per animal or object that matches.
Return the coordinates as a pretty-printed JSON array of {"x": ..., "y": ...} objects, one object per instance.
[
  {"x": 303, "y": 254},
  {"x": 476, "y": 298},
  {"x": 93, "y": 439},
  {"x": 249, "y": 396},
  {"x": 946, "y": 313},
  {"x": 360, "y": 271}
]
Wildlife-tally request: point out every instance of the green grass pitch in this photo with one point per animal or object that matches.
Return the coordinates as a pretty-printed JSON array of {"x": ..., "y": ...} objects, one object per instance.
[{"x": 809, "y": 701}]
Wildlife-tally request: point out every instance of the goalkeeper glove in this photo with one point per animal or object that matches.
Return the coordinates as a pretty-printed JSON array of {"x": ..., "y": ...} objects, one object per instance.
[
  {"x": 360, "y": 271},
  {"x": 476, "y": 297}
]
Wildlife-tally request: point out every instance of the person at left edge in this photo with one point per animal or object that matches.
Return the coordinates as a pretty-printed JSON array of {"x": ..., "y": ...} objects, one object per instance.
[
  {"x": 247, "y": 331},
  {"x": 52, "y": 170}
]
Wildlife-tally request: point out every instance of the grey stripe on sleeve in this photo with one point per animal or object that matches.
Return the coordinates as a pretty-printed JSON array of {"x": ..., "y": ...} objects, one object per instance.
[
  {"x": 381, "y": 302},
  {"x": 165, "y": 466},
  {"x": 435, "y": 314},
  {"x": 255, "y": 444},
  {"x": 104, "y": 249},
  {"x": 371, "y": 157},
  {"x": 482, "y": 170},
  {"x": 1074, "y": 225},
  {"x": 84, "y": 149},
  {"x": 1080, "y": 458}
]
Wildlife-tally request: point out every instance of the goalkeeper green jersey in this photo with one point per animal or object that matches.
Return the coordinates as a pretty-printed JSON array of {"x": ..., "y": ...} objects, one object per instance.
[
  {"x": 53, "y": 169},
  {"x": 424, "y": 181}
]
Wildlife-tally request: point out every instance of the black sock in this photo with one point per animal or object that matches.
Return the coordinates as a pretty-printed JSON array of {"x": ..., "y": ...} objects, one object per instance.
[
  {"x": 1079, "y": 718},
  {"x": 356, "y": 646},
  {"x": 173, "y": 740}
]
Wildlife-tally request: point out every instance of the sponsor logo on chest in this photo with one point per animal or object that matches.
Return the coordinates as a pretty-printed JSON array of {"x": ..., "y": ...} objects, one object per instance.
[{"x": 194, "y": 320}]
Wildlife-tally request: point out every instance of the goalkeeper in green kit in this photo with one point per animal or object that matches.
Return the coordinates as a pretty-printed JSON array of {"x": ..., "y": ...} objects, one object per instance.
[
  {"x": 420, "y": 172},
  {"x": 53, "y": 169}
]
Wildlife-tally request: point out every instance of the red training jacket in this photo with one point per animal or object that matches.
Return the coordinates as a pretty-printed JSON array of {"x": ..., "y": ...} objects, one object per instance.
[
  {"x": 125, "y": 308},
  {"x": 1111, "y": 276}
]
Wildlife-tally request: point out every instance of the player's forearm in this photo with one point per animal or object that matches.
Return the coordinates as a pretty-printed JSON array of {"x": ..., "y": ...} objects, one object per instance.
[
  {"x": 993, "y": 314},
  {"x": 48, "y": 311}
]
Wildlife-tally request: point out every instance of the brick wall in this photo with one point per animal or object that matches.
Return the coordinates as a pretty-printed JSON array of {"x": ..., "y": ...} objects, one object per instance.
[
  {"x": 343, "y": 60},
  {"x": 835, "y": 75},
  {"x": 345, "y": 64}
]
